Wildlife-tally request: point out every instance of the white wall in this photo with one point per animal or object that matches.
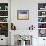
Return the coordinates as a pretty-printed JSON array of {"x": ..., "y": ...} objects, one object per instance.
[
  {"x": 23, "y": 5},
  {"x": 32, "y": 6}
]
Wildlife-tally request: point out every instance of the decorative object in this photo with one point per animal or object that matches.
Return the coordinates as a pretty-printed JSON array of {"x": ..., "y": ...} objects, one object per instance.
[
  {"x": 43, "y": 13},
  {"x": 41, "y": 25},
  {"x": 4, "y": 29},
  {"x": 31, "y": 27},
  {"x": 3, "y": 19},
  {"x": 13, "y": 27},
  {"x": 18, "y": 42},
  {"x": 42, "y": 32},
  {"x": 23, "y": 14},
  {"x": 6, "y": 7},
  {"x": 0, "y": 7},
  {"x": 23, "y": 40},
  {"x": 42, "y": 19},
  {"x": 3, "y": 13},
  {"x": 3, "y": 6},
  {"x": 41, "y": 6}
]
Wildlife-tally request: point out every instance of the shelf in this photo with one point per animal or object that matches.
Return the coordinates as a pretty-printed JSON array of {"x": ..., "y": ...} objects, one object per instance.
[
  {"x": 42, "y": 16},
  {"x": 3, "y": 10},
  {"x": 41, "y": 22},
  {"x": 41, "y": 28},
  {"x": 41, "y": 10},
  {"x": 3, "y": 22},
  {"x": 3, "y": 16},
  {"x": 42, "y": 37}
]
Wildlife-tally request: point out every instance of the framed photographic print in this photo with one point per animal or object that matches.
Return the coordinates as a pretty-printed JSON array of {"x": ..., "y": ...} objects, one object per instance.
[{"x": 22, "y": 14}]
